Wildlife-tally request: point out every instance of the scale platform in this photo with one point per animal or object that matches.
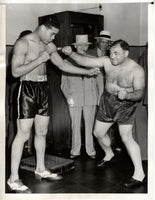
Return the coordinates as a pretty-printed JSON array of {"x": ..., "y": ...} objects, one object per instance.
[{"x": 55, "y": 164}]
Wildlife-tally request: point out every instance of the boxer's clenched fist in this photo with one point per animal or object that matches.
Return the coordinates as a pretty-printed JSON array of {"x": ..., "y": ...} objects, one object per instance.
[
  {"x": 93, "y": 71},
  {"x": 67, "y": 50},
  {"x": 51, "y": 48},
  {"x": 122, "y": 94}
]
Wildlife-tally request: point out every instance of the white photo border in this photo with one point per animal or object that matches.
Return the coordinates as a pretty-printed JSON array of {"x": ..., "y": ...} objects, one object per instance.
[{"x": 151, "y": 44}]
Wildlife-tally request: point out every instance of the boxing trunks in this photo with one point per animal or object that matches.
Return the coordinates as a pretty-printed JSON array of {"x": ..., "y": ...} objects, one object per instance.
[
  {"x": 112, "y": 109},
  {"x": 33, "y": 99}
]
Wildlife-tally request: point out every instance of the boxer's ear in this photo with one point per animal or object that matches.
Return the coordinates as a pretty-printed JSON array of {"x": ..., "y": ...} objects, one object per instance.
[
  {"x": 42, "y": 27},
  {"x": 126, "y": 53}
]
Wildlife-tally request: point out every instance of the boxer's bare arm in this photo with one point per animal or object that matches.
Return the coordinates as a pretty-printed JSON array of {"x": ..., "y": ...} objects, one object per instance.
[
  {"x": 19, "y": 66},
  {"x": 138, "y": 86},
  {"x": 65, "y": 65},
  {"x": 87, "y": 61}
]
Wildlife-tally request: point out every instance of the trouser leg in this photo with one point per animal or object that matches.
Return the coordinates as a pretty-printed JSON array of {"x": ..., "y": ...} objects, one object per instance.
[
  {"x": 89, "y": 115},
  {"x": 75, "y": 113}
]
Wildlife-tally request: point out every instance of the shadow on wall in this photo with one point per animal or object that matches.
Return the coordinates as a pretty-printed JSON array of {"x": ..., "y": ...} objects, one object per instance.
[{"x": 136, "y": 52}]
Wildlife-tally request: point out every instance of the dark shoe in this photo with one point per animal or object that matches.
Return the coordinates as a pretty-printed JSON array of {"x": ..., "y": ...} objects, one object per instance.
[
  {"x": 103, "y": 163},
  {"x": 92, "y": 156},
  {"x": 74, "y": 156},
  {"x": 132, "y": 183}
]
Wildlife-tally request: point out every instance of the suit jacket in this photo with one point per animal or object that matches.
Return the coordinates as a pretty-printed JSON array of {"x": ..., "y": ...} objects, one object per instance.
[{"x": 84, "y": 90}]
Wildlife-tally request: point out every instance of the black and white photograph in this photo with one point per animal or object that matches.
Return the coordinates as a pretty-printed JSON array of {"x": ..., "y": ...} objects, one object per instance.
[{"x": 77, "y": 93}]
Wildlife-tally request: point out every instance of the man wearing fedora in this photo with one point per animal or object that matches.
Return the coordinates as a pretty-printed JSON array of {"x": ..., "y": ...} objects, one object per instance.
[
  {"x": 103, "y": 43},
  {"x": 82, "y": 94}
]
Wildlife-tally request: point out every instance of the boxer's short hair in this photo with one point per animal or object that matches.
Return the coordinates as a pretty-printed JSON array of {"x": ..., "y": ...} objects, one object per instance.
[
  {"x": 51, "y": 21},
  {"x": 122, "y": 43}
]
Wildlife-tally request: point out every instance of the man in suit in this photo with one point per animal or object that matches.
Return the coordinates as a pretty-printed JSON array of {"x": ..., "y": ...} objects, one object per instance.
[
  {"x": 103, "y": 41},
  {"x": 83, "y": 95}
]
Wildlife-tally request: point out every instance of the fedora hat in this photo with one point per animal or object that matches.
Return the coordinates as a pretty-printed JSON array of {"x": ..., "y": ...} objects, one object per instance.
[
  {"x": 81, "y": 39},
  {"x": 105, "y": 35}
]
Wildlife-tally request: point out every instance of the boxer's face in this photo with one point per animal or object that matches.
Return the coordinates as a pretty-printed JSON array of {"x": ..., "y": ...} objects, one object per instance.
[
  {"x": 117, "y": 54},
  {"x": 48, "y": 34}
]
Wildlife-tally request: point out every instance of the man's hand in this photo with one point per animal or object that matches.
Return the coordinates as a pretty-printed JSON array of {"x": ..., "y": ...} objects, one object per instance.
[
  {"x": 44, "y": 56},
  {"x": 70, "y": 101},
  {"x": 67, "y": 50},
  {"x": 93, "y": 71},
  {"x": 122, "y": 94}
]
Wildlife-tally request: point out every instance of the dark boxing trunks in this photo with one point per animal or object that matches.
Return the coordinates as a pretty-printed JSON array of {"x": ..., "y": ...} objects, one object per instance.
[
  {"x": 112, "y": 109},
  {"x": 33, "y": 99}
]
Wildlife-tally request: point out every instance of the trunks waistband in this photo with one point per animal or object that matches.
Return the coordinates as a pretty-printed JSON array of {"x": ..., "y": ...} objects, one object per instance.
[
  {"x": 39, "y": 78},
  {"x": 109, "y": 94},
  {"x": 115, "y": 98}
]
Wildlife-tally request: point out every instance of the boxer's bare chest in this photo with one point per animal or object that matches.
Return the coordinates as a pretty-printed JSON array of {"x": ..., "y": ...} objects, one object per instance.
[
  {"x": 34, "y": 50},
  {"x": 121, "y": 76},
  {"x": 33, "y": 53}
]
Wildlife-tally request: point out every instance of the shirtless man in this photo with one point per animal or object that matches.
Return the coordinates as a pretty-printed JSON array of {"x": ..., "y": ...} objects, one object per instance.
[
  {"x": 29, "y": 63},
  {"x": 123, "y": 88}
]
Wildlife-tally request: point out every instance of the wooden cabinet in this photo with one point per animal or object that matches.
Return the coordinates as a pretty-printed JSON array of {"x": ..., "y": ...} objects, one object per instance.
[{"x": 72, "y": 23}]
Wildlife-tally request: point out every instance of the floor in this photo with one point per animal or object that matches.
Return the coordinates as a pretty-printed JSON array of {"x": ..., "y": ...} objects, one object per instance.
[{"x": 86, "y": 177}]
